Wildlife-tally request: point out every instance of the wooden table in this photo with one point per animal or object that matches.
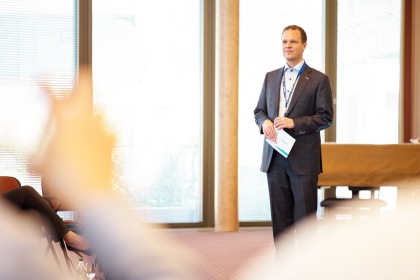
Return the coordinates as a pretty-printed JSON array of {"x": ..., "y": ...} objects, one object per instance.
[{"x": 375, "y": 165}]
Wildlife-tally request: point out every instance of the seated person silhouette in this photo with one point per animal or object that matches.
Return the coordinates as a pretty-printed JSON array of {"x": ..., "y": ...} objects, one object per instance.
[{"x": 27, "y": 197}]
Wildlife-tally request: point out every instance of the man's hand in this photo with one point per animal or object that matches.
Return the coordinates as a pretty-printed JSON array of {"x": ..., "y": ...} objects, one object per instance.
[
  {"x": 283, "y": 122},
  {"x": 269, "y": 130}
]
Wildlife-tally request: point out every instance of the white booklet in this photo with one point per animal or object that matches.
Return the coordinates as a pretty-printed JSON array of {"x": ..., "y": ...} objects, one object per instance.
[{"x": 284, "y": 143}]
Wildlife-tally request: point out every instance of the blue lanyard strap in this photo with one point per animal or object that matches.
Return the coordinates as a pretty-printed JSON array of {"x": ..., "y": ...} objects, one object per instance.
[{"x": 287, "y": 99}]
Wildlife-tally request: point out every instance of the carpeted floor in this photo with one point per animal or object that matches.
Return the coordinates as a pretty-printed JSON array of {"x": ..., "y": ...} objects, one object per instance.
[
  {"x": 217, "y": 256},
  {"x": 220, "y": 255}
]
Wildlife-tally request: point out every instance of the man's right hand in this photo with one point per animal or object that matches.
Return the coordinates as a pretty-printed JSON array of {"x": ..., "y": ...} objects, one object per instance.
[{"x": 269, "y": 130}]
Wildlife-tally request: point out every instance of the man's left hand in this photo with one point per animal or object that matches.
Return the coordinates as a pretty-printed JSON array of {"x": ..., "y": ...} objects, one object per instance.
[{"x": 283, "y": 122}]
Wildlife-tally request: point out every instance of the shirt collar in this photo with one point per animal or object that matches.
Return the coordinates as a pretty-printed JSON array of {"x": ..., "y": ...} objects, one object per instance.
[{"x": 297, "y": 66}]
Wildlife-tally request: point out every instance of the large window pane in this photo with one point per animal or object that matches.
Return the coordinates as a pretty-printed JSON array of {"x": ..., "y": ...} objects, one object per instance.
[
  {"x": 261, "y": 25},
  {"x": 368, "y": 71},
  {"x": 37, "y": 42},
  {"x": 147, "y": 69}
]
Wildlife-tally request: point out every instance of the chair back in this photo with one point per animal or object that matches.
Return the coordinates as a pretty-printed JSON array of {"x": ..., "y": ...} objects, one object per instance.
[{"x": 8, "y": 183}]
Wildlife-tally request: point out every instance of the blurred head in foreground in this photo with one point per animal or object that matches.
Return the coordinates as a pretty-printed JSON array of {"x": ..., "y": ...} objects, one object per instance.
[{"x": 384, "y": 248}]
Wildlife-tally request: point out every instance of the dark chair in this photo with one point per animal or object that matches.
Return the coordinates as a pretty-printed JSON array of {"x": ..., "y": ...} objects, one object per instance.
[
  {"x": 355, "y": 205},
  {"x": 9, "y": 183},
  {"x": 72, "y": 224},
  {"x": 55, "y": 203}
]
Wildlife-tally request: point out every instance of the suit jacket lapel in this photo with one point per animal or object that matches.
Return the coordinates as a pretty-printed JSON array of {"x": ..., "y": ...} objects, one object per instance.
[{"x": 304, "y": 79}]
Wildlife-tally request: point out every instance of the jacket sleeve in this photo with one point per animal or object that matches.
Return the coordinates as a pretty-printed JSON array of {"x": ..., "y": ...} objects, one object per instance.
[
  {"x": 260, "y": 112},
  {"x": 322, "y": 116}
]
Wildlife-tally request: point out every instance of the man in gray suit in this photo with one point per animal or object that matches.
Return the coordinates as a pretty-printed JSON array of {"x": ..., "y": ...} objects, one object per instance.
[{"x": 297, "y": 99}]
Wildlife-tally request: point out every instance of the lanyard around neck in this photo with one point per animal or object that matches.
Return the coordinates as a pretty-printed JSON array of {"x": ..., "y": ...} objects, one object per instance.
[{"x": 287, "y": 98}]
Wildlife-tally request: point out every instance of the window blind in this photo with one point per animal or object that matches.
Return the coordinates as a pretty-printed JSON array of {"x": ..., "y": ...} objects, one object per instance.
[
  {"x": 37, "y": 43},
  {"x": 147, "y": 77},
  {"x": 368, "y": 71}
]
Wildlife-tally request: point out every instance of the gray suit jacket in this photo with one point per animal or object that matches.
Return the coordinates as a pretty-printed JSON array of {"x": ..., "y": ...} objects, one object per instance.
[{"x": 311, "y": 109}]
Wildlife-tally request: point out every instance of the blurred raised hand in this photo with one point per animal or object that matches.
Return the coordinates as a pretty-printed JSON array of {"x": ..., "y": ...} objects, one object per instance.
[{"x": 76, "y": 157}]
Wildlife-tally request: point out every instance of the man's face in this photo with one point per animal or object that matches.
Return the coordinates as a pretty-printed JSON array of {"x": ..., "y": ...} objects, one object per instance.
[{"x": 292, "y": 46}]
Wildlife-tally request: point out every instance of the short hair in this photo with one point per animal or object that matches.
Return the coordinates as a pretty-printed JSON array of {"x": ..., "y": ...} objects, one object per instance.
[{"x": 295, "y": 27}]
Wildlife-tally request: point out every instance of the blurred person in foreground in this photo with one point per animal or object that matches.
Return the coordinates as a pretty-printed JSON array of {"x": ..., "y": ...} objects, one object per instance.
[
  {"x": 76, "y": 157},
  {"x": 295, "y": 99},
  {"x": 385, "y": 247}
]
